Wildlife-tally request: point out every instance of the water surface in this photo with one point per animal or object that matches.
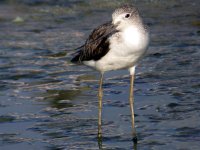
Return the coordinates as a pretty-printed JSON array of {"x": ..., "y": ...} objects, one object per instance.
[{"x": 48, "y": 103}]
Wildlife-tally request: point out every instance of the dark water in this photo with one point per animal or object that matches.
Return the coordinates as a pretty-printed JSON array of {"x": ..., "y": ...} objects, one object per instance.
[{"x": 48, "y": 103}]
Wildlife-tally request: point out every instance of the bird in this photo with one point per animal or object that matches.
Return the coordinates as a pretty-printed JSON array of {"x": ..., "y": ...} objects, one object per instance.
[{"x": 117, "y": 44}]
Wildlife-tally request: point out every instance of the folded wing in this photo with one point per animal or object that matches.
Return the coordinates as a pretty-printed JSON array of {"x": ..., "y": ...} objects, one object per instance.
[{"x": 97, "y": 45}]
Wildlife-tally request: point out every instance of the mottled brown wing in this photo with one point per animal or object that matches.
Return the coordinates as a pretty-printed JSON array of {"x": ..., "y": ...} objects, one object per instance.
[{"x": 97, "y": 45}]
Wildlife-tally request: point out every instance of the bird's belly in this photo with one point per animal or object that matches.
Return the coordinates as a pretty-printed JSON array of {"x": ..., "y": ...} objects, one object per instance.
[
  {"x": 114, "y": 62},
  {"x": 121, "y": 56}
]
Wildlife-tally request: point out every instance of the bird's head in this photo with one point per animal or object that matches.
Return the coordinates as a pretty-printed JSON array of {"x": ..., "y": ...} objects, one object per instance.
[{"x": 125, "y": 16}]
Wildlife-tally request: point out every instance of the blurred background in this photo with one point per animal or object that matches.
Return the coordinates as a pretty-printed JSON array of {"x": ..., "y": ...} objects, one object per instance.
[{"x": 48, "y": 103}]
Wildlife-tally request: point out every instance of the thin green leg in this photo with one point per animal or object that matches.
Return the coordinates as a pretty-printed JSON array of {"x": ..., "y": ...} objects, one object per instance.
[
  {"x": 100, "y": 96},
  {"x": 131, "y": 100}
]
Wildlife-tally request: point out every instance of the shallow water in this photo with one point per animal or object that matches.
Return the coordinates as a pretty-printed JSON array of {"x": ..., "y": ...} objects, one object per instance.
[{"x": 48, "y": 103}]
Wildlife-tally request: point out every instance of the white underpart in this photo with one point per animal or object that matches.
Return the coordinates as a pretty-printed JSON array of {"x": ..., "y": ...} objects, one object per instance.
[
  {"x": 132, "y": 37},
  {"x": 126, "y": 49}
]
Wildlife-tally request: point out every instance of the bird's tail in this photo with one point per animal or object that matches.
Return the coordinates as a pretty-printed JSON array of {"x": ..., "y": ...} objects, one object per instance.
[
  {"x": 76, "y": 59},
  {"x": 77, "y": 55}
]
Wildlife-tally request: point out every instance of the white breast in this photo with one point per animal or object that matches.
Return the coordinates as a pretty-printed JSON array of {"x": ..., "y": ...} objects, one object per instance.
[{"x": 134, "y": 38}]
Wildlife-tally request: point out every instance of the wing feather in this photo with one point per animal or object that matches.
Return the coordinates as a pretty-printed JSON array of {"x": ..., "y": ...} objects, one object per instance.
[{"x": 97, "y": 45}]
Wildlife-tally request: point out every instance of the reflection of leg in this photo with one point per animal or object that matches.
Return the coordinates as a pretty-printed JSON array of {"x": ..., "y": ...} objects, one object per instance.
[
  {"x": 131, "y": 99},
  {"x": 100, "y": 142},
  {"x": 135, "y": 145},
  {"x": 100, "y": 95}
]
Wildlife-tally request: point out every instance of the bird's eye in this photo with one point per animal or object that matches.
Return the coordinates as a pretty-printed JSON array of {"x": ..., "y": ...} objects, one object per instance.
[{"x": 127, "y": 15}]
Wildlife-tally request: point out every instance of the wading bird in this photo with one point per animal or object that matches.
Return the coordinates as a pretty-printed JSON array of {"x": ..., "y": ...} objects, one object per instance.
[{"x": 117, "y": 44}]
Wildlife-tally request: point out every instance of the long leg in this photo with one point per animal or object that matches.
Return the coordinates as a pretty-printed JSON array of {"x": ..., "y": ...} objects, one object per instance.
[
  {"x": 131, "y": 100},
  {"x": 100, "y": 96}
]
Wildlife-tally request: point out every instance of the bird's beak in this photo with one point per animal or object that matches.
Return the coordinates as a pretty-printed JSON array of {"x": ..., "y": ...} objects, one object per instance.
[{"x": 116, "y": 22}]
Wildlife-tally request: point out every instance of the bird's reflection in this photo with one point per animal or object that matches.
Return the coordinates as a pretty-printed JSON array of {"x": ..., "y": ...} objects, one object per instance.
[
  {"x": 134, "y": 145},
  {"x": 100, "y": 143}
]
